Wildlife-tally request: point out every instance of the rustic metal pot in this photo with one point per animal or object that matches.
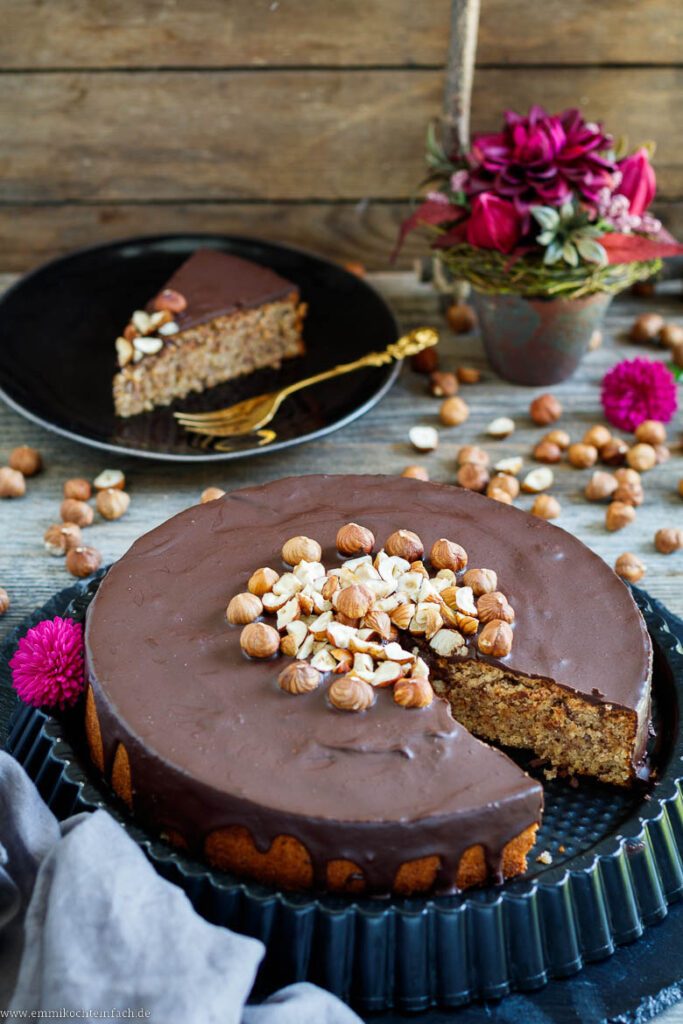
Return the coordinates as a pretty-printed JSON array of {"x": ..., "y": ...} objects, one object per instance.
[{"x": 537, "y": 341}]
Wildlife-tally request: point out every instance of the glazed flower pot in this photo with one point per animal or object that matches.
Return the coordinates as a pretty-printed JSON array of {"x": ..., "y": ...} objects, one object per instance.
[{"x": 537, "y": 341}]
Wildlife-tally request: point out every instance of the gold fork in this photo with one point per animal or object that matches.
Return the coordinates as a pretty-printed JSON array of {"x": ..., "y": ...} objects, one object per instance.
[{"x": 254, "y": 413}]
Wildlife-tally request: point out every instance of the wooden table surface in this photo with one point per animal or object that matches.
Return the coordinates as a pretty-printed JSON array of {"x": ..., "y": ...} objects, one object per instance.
[{"x": 377, "y": 443}]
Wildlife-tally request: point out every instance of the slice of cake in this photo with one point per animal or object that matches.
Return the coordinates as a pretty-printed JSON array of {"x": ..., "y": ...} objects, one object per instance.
[{"x": 216, "y": 318}]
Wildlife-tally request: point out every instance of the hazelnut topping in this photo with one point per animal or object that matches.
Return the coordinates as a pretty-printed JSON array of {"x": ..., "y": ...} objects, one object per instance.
[
  {"x": 405, "y": 544},
  {"x": 301, "y": 549},
  {"x": 259, "y": 640},
  {"x": 495, "y": 639},
  {"x": 299, "y": 677},
  {"x": 211, "y": 494},
  {"x": 243, "y": 608},
  {"x": 446, "y": 554},
  {"x": 349, "y": 693},
  {"x": 353, "y": 539}
]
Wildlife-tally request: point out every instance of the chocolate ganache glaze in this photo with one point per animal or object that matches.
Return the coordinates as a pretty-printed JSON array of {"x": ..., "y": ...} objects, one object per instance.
[
  {"x": 214, "y": 742},
  {"x": 216, "y": 283}
]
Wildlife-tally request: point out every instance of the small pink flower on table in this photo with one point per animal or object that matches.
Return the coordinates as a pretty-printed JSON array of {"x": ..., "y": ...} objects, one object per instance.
[
  {"x": 636, "y": 390},
  {"x": 47, "y": 668}
]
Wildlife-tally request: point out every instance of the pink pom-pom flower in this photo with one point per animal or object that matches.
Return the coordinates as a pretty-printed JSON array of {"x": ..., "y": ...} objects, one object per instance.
[
  {"x": 47, "y": 667},
  {"x": 637, "y": 390}
]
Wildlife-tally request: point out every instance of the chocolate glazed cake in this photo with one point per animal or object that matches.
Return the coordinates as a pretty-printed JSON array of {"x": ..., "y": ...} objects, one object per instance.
[
  {"x": 203, "y": 744},
  {"x": 217, "y": 317}
]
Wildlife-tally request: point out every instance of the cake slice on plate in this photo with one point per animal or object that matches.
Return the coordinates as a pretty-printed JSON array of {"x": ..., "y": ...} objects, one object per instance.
[{"x": 217, "y": 317}]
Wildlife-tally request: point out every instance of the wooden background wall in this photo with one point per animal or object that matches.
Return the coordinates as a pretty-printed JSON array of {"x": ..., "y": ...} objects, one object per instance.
[{"x": 300, "y": 120}]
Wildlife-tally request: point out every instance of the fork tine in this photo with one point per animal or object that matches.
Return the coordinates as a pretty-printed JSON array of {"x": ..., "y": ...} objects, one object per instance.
[{"x": 207, "y": 417}]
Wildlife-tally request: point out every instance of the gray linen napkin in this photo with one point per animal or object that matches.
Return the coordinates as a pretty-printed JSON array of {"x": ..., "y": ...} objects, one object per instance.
[{"x": 96, "y": 928}]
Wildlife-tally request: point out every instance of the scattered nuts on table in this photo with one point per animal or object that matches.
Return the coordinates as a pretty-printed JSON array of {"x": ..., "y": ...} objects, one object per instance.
[
  {"x": 77, "y": 488},
  {"x": 504, "y": 482},
  {"x": 61, "y": 537},
  {"x": 109, "y": 478},
  {"x": 559, "y": 437},
  {"x": 468, "y": 374},
  {"x": 680, "y": 487},
  {"x": 662, "y": 453},
  {"x": 538, "y": 480},
  {"x": 243, "y": 608},
  {"x": 595, "y": 341},
  {"x": 259, "y": 640},
  {"x": 646, "y": 327},
  {"x": 299, "y": 677},
  {"x": 112, "y": 503},
  {"x": 27, "y": 460},
  {"x": 547, "y": 451},
  {"x": 82, "y": 561},
  {"x": 501, "y": 427},
  {"x": 582, "y": 456},
  {"x": 443, "y": 385},
  {"x": 472, "y": 476},
  {"x": 405, "y": 544},
  {"x": 641, "y": 457},
  {"x": 630, "y": 493},
  {"x": 545, "y": 506},
  {"x": 597, "y": 436},
  {"x": 416, "y": 472},
  {"x": 74, "y": 511},
  {"x": 461, "y": 318},
  {"x": 425, "y": 439},
  {"x": 211, "y": 494},
  {"x": 4, "y": 601},
  {"x": 671, "y": 335},
  {"x": 474, "y": 454},
  {"x": 498, "y": 494},
  {"x": 614, "y": 452},
  {"x": 426, "y": 361},
  {"x": 545, "y": 409},
  {"x": 454, "y": 411},
  {"x": 12, "y": 483},
  {"x": 353, "y": 540},
  {"x": 618, "y": 515},
  {"x": 668, "y": 540},
  {"x": 601, "y": 486},
  {"x": 511, "y": 466},
  {"x": 651, "y": 432},
  {"x": 629, "y": 567},
  {"x": 301, "y": 549}
]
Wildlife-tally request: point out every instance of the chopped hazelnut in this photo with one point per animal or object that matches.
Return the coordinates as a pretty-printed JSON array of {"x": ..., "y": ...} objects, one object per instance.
[
  {"x": 299, "y": 677},
  {"x": 629, "y": 567},
  {"x": 601, "y": 486},
  {"x": 4, "y": 601},
  {"x": 614, "y": 452},
  {"x": 501, "y": 427},
  {"x": 545, "y": 409},
  {"x": 243, "y": 608},
  {"x": 651, "y": 432},
  {"x": 498, "y": 494},
  {"x": 446, "y": 554},
  {"x": 559, "y": 437},
  {"x": 582, "y": 456},
  {"x": 668, "y": 540},
  {"x": 416, "y": 473},
  {"x": 671, "y": 335},
  {"x": 495, "y": 639},
  {"x": 482, "y": 581},
  {"x": 413, "y": 693},
  {"x": 461, "y": 318},
  {"x": 109, "y": 478},
  {"x": 350, "y": 693},
  {"x": 426, "y": 361},
  {"x": 538, "y": 480},
  {"x": 170, "y": 300},
  {"x": 547, "y": 451},
  {"x": 112, "y": 503},
  {"x": 545, "y": 506},
  {"x": 646, "y": 327},
  {"x": 468, "y": 374},
  {"x": 300, "y": 549},
  {"x": 504, "y": 482},
  {"x": 511, "y": 466},
  {"x": 405, "y": 544},
  {"x": 471, "y": 453},
  {"x": 472, "y": 477},
  {"x": 353, "y": 539},
  {"x": 74, "y": 511},
  {"x": 83, "y": 561},
  {"x": 259, "y": 640},
  {"x": 597, "y": 436},
  {"x": 454, "y": 411},
  {"x": 27, "y": 460},
  {"x": 424, "y": 439},
  {"x": 211, "y": 494},
  {"x": 12, "y": 483},
  {"x": 619, "y": 515},
  {"x": 443, "y": 385},
  {"x": 641, "y": 457},
  {"x": 262, "y": 581},
  {"x": 494, "y": 605},
  {"x": 61, "y": 537},
  {"x": 77, "y": 488}
]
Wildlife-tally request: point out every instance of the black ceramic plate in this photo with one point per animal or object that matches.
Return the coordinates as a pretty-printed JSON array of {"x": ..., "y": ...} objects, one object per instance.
[{"x": 57, "y": 359}]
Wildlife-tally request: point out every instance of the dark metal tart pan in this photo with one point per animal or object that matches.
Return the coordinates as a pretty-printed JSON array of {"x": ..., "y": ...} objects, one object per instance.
[{"x": 621, "y": 868}]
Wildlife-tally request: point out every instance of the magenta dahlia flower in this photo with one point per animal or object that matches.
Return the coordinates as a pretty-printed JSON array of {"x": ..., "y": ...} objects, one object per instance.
[
  {"x": 637, "y": 390},
  {"x": 47, "y": 668},
  {"x": 541, "y": 159}
]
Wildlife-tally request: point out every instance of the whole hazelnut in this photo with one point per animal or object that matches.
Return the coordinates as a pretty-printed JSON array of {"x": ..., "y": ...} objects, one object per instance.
[
  {"x": 626, "y": 475},
  {"x": 559, "y": 437},
  {"x": 446, "y": 554},
  {"x": 259, "y": 640},
  {"x": 349, "y": 693},
  {"x": 629, "y": 493},
  {"x": 426, "y": 361},
  {"x": 12, "y": 483},
  {"x": 595, "y": 341},
  {"x": 546, "y": 451},
  {"x": 471, "y": 453},
  {"x": 301, "y": 549},
  {"x": 646, "y": 327},
  {"x": 614, "y": 452},
  {"x": 468, "y": 374},
  {"x": 504, "y": 482},
  {"x": 545, "y": 506},
  {"x": 668, "y": 540},
  {"x": 61, "y": 537},
  {"x": 262, "y": 581},
  {"x": 629, "y": 567},
  {"x": 82, "y": 561},
  {"x": 671, "y": 335},
  {"x": 494, "y": 605},
  {"x": 299, "y": 677},
  {"x": 355, "y": 267},
  {"x": 354, "y": 601},
  {"x": 495, "y": 639},
  {"x": 641, "y": 457},
  {"x": 582, "y": 456},
  {"x": 651, "y": 432},
  {"x": 677, "y": 354},
  {"x": 243, "y": 608},
  {"x": 601, "y": 486},
  {"x": 77, "y": 488},
  {"x": 680, "y": 487},
  {"x": 482, "y": 581},
  {"x": 413, "y": 693},
  {"x": 109, "y": 478},
  {"x": 443, "y": 385},
  {"x": 472, "y": 477},
  {"x": 4, "y": 601},
  {"x": 545, "y": 409},
  {"x": 461, "y": 318},
  {"x": 416, "y": 472},
  {"x": 405, "y": 544},
  {"x": 454, "y": 411},
  {"x": 353, "y": 539},
  {"x": 211, "y": 494},
  {"x": 618, "y": 515},
  {"x": 112, "y": 504},
  {"x": 74, "y": 511},
  {"x": 598, "y": 436},
  {"x": 662, "y": 453},
  {"x": 498, "y": 494},
  {"x": 170, "y": 300},
  {"x": 27, "y": 460}
]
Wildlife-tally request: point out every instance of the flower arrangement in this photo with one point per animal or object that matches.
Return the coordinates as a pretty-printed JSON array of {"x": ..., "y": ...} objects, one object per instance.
[{"x": 545, "y": 207}]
